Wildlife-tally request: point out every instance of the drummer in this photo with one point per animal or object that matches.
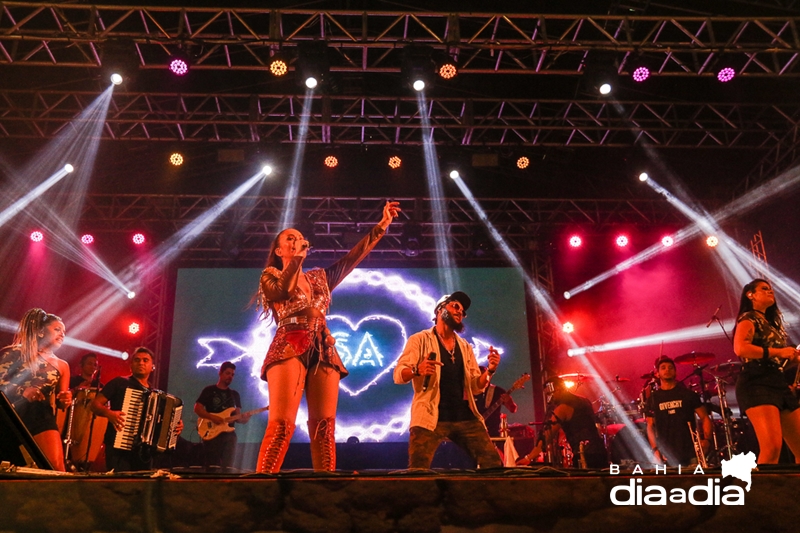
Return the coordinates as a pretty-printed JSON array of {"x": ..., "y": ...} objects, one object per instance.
[
  {"x": 86, "y": 372},
  {"x": 668, "y": 412}
]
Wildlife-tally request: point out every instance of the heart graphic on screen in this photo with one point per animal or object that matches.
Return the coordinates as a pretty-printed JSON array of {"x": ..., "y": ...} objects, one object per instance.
[{"x": 369, "y": 348}]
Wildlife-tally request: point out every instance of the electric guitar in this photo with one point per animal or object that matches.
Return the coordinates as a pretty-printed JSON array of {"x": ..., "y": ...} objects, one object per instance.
[
  {"x": 208, "y": 429},
  {"x": 503, "y": 397}
]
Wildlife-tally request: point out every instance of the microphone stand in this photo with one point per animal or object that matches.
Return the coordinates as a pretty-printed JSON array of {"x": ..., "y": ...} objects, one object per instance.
[{"x": 723, "y": 329}]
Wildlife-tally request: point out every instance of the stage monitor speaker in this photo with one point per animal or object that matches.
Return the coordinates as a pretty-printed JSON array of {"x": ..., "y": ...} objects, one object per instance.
[{"x": 16, "y": 443}]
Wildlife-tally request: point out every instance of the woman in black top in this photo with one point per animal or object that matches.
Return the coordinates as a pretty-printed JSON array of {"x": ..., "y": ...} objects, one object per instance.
[{"x": 761, "y": 342}]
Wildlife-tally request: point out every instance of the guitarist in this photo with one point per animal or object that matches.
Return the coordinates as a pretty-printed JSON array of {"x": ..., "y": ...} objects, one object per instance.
[
  {"x": 485, "y": 400},
  {"x": 220, "y": 450}
]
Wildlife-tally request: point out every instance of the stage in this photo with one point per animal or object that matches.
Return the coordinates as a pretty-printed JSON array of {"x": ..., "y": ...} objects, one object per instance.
[{"x": 510, "y": 500}]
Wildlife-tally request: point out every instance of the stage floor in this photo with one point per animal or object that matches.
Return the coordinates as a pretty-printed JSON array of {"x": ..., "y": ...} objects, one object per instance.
[{"x": 509, "y": 500}]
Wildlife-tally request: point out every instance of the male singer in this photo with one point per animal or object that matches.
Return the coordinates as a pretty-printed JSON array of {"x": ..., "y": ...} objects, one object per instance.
[{"x": 445, "y": 377}]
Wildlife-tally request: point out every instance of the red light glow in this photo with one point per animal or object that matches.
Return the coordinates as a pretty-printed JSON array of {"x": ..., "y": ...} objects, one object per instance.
[
  {"x": 575, "y": 241},
  {"x": 134, "y": 328},
  {"x": 37, "y": 236}
]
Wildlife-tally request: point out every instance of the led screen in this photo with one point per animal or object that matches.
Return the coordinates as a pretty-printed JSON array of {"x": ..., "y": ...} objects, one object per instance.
[{"x": 373, "y": 312}]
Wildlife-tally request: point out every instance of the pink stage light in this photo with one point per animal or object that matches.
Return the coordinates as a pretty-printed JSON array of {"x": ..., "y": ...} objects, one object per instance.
[
  {"x": 134, "y": 328},
  {"x": 641, "y": 74},
  {"x": 712, "y": 241},
  {"x": 622, "y": 241},
  {"x": 726, "y": 74},
  {"x": 138, "y": 239},
  {"x": 575, "y": 241},
  {"x": 667, "y": 240},
  {"x": 87, "y": 239},
  {"x": 37, "y": 236},
  {"x": 178, "y": 66}
]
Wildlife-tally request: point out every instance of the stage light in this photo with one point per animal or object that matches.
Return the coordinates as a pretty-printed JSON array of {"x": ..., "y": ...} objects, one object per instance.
[
  {"x": 176, "y": 159},
  {"x": 131, "y": 295},
  {"x": 567, "y": 295},
  {"x": 567, "y": 327},
  {"x": 640, "y": 74},
  {"x": 643, "y": 177},
  {"x": 68, "y": 168},
  {"x": 621, "y": 241},
  {"x": 313, "y": 64},
  {"x": 119, "y": 59},
  {"x": 523, "y": 162},
  {"x": 37, "y": 236},
  {"x": 331, "y": 161},
  {"x": 410, "y": 238},
  {"x": 134, "y": 328},
  {"x": 418, "y": 68},
  {"x": 266, "y": 170},
  {"x": 667, "y": 240},
  {"x": 138, "y": 239},
  {"x": 569, "y": 384},
  {"x": 601, "y": 71},
  {"x": 395, "y": 162},
  {"x": 116, "y": 78},
  {"x": 179, "y": 63},
  {"x": 712, "y": 241},
  {"x": 448, "y": 69},
  {"x": 575, "y": 241},
  {"x": 278, "y": 65},
  {"x": 726, "y": 74},
  {"x": 87, "y": 239},
  {"x": 454, "y": 174}
]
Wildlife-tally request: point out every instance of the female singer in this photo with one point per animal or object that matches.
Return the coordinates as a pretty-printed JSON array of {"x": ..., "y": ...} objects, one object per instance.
[
  {"x": 36, "y": 381},
  {"x": 302, "y": 354},
  {"x": 763, "y": 393}
]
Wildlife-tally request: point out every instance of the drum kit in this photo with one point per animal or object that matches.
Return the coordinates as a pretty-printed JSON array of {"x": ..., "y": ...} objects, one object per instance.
[
  {"x": 617, "y": 422},
  {"x": 82, "y": 431}
]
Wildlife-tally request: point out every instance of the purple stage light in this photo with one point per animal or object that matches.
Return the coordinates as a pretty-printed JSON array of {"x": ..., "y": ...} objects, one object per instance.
[
  {"x": 667, "y": 240},
  {"x": 37, "y": 236},
  {"x": 622, "y": 241},
  {"x": 178, "y": 66},
  {"x": 87, "y": 239},
  {"x": 726, "y": 74},
  {"x": 138, "y": 239},
  {"x": 641, "y": 74}
]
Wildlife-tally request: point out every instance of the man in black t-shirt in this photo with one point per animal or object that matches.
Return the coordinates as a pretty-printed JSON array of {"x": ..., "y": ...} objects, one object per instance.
[
  {"x": 669, "y": 411},
  {"x": 444, "y": 373},
  {"x": 215, "y": 404},
  {"x": 109, "y": 402}
]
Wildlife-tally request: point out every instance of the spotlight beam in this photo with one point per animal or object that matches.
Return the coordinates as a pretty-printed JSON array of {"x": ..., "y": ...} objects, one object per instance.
[
  {"x": 12, "y": 210},
  {"x": 779, "y": 186},
  {"x": 546, "y": 303},
  {"x": 293, "y": 187},
  {"x": 444, "y": 254}
]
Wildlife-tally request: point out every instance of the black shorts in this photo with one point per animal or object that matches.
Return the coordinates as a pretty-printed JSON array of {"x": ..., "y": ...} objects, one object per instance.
[
  {"x": 37, "y": 416},
  {"x": 764, "y": 384}
]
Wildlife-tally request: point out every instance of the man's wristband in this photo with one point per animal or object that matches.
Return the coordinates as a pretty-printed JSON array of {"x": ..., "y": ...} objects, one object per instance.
[
  {"x": 766, "y": 352},
  {"x": 490, "y": 371},
  {"x": 415, "y": 370}
]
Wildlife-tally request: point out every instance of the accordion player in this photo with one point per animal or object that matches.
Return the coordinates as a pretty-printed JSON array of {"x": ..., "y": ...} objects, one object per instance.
[{"x": 151, "y": 420}]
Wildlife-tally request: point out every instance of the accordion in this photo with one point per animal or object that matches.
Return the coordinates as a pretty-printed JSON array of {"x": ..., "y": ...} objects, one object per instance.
[{"x": 150, "y": 420}]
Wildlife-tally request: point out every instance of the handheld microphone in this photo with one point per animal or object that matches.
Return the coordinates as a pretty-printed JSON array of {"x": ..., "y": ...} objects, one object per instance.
[
  {"x": 714, "y": 316},
  {"x": 427, "y": 380},
  {"x": 95, "y": 382}
]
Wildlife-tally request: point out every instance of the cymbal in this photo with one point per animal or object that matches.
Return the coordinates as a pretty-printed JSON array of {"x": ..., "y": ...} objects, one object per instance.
[
  {"x": 578, "y": 376},
  {"x": 693, "y": 358},
  {"x": 729, "y": 366}
]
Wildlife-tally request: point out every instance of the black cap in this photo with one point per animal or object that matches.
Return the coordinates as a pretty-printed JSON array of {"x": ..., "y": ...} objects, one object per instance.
[
  {"x": 460, "y": 297},
  {"x": 663, "y": 359}
]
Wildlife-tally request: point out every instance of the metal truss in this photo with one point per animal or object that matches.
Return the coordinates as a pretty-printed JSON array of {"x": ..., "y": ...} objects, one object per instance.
[
  {"x": 71, "y": 35},
  {"x": 244, "y": 233},
  {"x": 246, "y": 118}
]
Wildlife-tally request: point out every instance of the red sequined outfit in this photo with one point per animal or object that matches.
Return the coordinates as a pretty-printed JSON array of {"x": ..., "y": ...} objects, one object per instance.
[{"x": 305, "y": 338}]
